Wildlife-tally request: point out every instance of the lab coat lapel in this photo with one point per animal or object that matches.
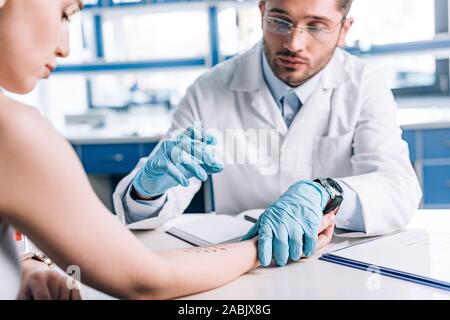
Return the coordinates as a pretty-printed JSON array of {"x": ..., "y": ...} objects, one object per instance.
[
  {"x": 313, "y": 117},
  {"x": 298, "y": 147},
  {"x": 311, "y": 120},
  {"x": 265, "y": 106}
]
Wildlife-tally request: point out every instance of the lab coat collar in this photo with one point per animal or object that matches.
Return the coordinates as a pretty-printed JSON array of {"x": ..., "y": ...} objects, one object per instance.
[
  {"x": 249, "y": 74},
  {"x": 334, "y": 73}
]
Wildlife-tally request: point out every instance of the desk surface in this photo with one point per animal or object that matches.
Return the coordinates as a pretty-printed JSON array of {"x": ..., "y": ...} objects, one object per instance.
[{"x": 310, "y": 278}]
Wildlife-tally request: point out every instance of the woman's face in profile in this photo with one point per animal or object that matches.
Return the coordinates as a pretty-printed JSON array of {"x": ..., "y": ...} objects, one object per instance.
[{"x": 33, "y": 33}]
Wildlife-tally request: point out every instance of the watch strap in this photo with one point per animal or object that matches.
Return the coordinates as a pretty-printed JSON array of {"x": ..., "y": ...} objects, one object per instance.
[{"x": 335, "y": 192}]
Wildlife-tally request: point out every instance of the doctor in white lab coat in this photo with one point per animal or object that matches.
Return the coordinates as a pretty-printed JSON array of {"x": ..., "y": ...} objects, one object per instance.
[{"x": 343, "y": 126}]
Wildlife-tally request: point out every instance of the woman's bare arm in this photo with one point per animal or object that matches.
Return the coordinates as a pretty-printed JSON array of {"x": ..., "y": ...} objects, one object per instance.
[{"x": 46, "y": 194}]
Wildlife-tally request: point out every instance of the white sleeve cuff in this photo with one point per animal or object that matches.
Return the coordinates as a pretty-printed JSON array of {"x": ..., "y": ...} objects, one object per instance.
[
  {"x": 137, "y": 210},
  {"x": 350, "y": 215}
]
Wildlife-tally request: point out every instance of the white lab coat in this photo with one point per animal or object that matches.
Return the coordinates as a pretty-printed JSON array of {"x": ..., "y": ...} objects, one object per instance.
[{"x": 347, "y": 129}]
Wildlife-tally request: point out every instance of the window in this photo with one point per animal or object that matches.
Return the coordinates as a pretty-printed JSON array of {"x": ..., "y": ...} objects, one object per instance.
[
  {"x": 239, "y": 28},
  {"x": 81, "y": 41},
  {"x": 163, "y": 88},
  {"x": 155, "y": 35},
  {"x": 91, "y": 2},
  {"x": 399, "y": 35},
  {"x": 385, "y": 22}
]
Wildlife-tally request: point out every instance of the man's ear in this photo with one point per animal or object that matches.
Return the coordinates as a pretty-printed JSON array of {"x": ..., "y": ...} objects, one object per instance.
[
  {"x": 345, "y": 29},
  {"x": 2, "y": 3}
]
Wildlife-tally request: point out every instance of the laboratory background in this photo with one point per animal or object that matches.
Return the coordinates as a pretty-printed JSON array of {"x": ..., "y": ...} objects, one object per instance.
[{"x": 132, "y": 60}]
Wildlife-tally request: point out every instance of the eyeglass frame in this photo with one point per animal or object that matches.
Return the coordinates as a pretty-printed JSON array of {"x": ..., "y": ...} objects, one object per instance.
[{"x": 302, "y": 28}]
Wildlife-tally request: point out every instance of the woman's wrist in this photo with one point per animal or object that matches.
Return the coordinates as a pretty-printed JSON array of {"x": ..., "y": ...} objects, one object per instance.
[{"x": 30, "y": 266}]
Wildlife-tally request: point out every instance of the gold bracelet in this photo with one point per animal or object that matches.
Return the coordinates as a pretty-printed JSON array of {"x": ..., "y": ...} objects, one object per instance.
[{"x": 38, "y": 256}]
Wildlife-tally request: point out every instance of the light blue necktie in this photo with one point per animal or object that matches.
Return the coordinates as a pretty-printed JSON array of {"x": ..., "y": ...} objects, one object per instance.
[{"x": 290, "y": 104}]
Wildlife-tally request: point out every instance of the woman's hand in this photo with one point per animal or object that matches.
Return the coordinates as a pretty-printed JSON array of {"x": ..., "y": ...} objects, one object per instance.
[
  {"x": 39, "y": 282},
  {"x": 326, "y": 230}
]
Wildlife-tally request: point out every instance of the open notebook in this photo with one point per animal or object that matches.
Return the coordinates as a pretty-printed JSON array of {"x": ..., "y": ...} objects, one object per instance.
[{"x": 211, "y": 229}]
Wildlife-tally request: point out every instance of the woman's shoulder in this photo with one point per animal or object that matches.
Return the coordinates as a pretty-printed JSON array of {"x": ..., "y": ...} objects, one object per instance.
[
  {"x": 25, "y": 135},
  {"x": 13, "y": 113},
  {"x": 19, "y": 121},
  {"x": 28, "y": 142}
]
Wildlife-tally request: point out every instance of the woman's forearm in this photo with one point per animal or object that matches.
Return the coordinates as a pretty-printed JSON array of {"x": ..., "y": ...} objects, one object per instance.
[{"x": 193, "y": 270}]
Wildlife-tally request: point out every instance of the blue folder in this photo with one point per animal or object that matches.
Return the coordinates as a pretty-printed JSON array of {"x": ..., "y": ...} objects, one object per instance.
[{"x": 387, "y": 272}]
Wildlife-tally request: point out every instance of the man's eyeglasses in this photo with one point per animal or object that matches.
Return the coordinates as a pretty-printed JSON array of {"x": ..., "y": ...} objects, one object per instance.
[{"x": 285, "y": 28}]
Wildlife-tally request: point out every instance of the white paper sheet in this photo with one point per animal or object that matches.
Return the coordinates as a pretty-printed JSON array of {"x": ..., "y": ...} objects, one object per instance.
[
  {"x": 415, "y": 252},
  {"x": 212, "y": 229}
]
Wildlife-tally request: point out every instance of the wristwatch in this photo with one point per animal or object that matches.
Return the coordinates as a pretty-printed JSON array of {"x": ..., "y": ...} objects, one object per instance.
[
  {"x": 334, "y": 190},
  {"x": 38, "y": 256}
]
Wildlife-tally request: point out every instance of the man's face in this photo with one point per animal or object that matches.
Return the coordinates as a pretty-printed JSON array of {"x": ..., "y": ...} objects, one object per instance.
[{"x": 297, "y": 57}]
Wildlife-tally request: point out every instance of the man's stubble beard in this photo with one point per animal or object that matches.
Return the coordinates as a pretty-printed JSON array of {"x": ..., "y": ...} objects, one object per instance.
[{"x": 292, "y": 81}]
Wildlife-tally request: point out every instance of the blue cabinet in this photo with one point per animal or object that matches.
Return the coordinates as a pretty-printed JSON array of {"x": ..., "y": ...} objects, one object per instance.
[
  {"x": 112, "y": 159},
  {"x": 430, "y": 153},
  {"x": 410, "y": 138},
  {"x": 109, "y": 159},
  {"x": 436, "y": 183},
  {"x": 436, "y": 144}
]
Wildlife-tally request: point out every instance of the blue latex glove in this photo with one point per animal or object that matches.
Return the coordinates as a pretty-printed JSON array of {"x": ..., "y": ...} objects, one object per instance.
[
  {"x": 190, "y": 155},
  {"x": 291, "y": 224}
]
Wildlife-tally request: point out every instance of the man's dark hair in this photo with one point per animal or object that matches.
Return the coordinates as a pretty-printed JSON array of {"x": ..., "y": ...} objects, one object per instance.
[{"x": 342, "y": 5}]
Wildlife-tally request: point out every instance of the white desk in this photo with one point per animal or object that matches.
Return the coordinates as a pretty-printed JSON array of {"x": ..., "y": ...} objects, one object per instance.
[{"x": 310, "y": 278}]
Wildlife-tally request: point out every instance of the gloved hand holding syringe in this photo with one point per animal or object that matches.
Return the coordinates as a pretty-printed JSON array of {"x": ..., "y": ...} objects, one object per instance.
[{"x": 190, "y": 154}]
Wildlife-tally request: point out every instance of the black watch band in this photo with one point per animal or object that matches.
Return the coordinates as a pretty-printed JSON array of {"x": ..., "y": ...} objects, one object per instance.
[{"x": 335, "y": 192}]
